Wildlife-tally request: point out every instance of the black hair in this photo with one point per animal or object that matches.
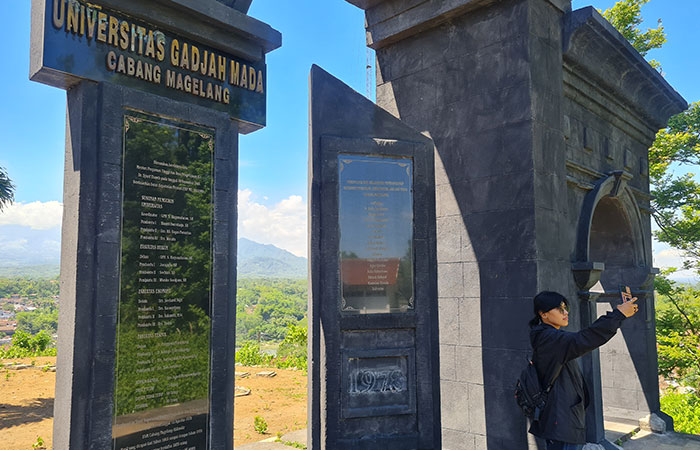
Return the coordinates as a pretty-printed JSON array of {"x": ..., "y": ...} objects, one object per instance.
[{"x": 546, "y": 301}]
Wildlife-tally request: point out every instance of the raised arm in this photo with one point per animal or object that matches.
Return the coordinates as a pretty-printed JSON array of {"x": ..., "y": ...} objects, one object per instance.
[{"x": 570, "y": 345}]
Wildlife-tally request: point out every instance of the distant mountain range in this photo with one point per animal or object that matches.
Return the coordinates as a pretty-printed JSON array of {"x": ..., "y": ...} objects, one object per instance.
[
  {"x": 265, "y": 260},
  {"x": 254, "y": 261},
  {"x": 38, "y": 271}
]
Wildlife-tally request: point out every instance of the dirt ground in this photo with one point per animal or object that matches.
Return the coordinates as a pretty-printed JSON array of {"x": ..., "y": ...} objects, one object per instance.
[
  {"x": 26, "y": 404},
  {"x": 280, "y": 400}
]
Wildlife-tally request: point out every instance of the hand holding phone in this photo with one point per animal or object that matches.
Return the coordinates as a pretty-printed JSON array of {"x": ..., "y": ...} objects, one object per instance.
[
  {"x": 628, "y": 306},
  {"x": 625, "y": 293}
]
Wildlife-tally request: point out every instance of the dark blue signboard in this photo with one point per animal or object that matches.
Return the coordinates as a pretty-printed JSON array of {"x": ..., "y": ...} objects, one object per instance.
[{"x": 87, "y": 41}]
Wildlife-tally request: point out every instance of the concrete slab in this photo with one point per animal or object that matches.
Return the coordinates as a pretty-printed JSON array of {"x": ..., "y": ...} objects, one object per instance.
[
  {"x": 620, "y": 431},
  {"x": 645, "y": 440},
  {"x": 298, "y": 436}
]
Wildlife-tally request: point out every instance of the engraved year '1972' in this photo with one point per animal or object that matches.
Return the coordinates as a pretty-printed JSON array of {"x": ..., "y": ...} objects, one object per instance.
[{"x": 368, "y": 381}]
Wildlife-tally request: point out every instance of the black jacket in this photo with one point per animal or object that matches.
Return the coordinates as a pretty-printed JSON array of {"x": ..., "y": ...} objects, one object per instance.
[{"x": 564, "y": 417}]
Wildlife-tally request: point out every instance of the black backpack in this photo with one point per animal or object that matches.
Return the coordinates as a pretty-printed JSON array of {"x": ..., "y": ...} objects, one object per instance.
[{"x": 529, "y": 395}]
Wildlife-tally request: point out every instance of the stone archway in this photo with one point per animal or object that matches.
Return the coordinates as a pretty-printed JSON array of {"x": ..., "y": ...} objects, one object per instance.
[{"x": 611, "y": 250}]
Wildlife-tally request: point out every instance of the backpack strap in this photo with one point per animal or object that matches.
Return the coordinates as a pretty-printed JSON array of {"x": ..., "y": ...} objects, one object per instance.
[
  {"x": 556, "y": 374},
  {"x": 554, "y": 377}
]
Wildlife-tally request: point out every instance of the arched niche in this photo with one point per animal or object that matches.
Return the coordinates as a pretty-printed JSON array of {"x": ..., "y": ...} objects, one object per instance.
[
  {"x": 610, "y": 242},
  {"x": 615, "y": 241}
]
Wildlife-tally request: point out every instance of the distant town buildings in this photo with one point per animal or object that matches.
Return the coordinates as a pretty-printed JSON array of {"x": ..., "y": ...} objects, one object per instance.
[{"x": 9, "y": 307}]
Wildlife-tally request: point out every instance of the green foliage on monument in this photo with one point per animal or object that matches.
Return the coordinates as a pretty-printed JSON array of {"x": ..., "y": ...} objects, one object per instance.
[
  {"x": 167, "y": 365},
  {"x": 163, "y": 340}
]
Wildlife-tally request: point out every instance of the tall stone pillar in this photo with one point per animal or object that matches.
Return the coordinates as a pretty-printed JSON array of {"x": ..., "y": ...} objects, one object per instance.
[
  {"x": 157, "y": 95},
  {"x": 489, "y": 82},
  {"x": 485, "y": 82}
]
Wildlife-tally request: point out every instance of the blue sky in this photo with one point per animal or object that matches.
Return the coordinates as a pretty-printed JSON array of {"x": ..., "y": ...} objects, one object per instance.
[{"x": 273, "y": 169}]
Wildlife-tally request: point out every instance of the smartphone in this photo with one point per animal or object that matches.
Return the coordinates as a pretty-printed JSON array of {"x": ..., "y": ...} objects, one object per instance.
[{"x": 625, "y": 293}]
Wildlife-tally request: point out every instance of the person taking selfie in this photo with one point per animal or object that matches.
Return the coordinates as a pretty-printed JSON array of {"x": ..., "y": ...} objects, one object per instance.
[{"x": 563, "y": 419}]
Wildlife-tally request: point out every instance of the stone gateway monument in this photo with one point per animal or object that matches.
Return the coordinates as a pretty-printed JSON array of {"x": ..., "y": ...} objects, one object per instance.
[
  {"x": 507, "y": 154},
  {"x": 157, "y": 95},
  {"x": 541, "y": 119}
]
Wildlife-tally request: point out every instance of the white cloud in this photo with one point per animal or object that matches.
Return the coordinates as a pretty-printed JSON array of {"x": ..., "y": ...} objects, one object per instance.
[
  {"x": 35, "y": 215},
  {"x": 671, "y": 257},
  {"x": 282, "y": 225}
]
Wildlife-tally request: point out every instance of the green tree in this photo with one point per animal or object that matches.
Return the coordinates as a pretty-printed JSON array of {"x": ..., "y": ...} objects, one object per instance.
[
  {"x": 626, "y": 16},
  {"x": 676, "y": 201},
  {"x": 7, "y": 189},
  {"x": 266, "y": 307},
  {"x": 292, "y": 351},
  {"x": 678, "y": 332},
  {"x": 42, "y": 289},
  {"x": 33, "y": 322},
  {"x": 24, "y": 344},
  {"x": 676, "y": 195}
]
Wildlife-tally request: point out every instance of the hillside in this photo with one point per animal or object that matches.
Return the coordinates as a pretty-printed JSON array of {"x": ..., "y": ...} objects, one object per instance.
[
  {"x": 40, "y": 271},
  {"x": 267, "y": 261}
]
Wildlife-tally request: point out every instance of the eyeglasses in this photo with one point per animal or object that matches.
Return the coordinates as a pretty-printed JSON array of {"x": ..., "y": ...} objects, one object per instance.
[{"x": 564, "y": 309}]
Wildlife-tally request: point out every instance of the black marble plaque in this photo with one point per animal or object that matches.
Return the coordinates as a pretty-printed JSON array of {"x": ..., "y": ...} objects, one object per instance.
[
  {"x": 162, "y": 373},
  {"x": 376, "y": 233}
]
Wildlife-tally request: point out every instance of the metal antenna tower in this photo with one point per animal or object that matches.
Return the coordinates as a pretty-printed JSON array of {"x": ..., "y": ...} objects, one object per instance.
[{"x": 369, "y": 73}]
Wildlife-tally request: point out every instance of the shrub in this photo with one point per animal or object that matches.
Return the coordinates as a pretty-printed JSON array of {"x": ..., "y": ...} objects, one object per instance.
[
  {"x": 251, "y": 355},
  {"x": 685, "y": 410},
  {"x": 292, "y": 351},
  {"x": 25, "y": 345},
  {"x": 39, "y": 443},
  {"x": 260, "y": 424}
]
